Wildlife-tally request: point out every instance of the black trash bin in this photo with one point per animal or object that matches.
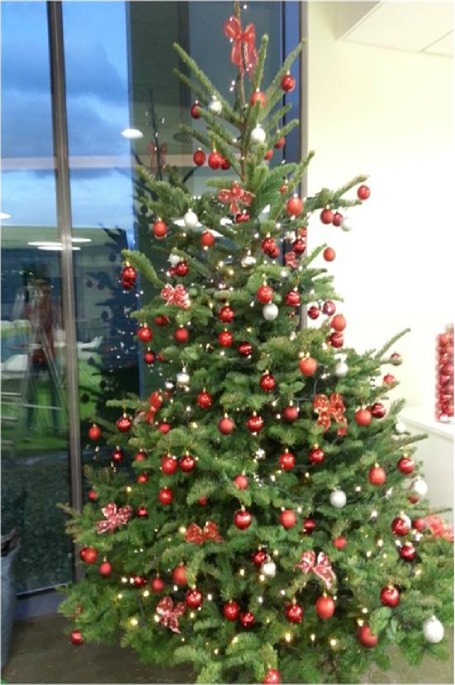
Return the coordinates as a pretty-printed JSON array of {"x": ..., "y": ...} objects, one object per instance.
[{"x": 10, "y": 551}]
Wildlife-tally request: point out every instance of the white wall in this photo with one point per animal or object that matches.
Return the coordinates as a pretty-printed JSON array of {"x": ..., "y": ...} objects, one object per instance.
[{"x": 387, "y": 114}]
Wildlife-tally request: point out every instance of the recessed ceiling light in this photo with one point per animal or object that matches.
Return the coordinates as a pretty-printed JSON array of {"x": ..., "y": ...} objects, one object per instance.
[
  {"x": 81, "y": 240},
  {"x": 4, "y": 215},
  {"x": 39, "y": 243},
  {"x": 132, "y": 133},
  {"x": 55, "y": 248}
]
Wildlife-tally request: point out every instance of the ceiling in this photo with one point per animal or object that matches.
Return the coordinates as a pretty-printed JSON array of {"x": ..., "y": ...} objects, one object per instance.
[{"x": 413, "y": 26}]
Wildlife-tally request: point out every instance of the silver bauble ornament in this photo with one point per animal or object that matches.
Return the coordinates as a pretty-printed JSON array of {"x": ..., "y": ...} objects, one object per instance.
[
  {"x": 268, "y": 568},
  {"x": 341, "y": 369},
  {"x": 419, "y": 486},
  {"x": 248, "y": 260},
  {"x": 400, "y": 427},
  {"x": 270, "y": 311},
  {"x": 347, "y": 224},
  {"x": 338, "y": 499},
  {"x": 433, "y": 630},
  {"x": 174, "y": 259},
  {"x": 169, "y": 385},
  {"x": 182, "y": 378},
  {"x": 215, "y": 106},
  {"x": 260, "y": 453},
  {"x": 190, "y": 219},
  {"x": 258, "y": 135}
]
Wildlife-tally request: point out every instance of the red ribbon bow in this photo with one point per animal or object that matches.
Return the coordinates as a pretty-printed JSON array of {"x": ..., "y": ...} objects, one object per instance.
[
  {"x": 169, "y": 614},
  {"x": 198, "y": 535},
  {"x": 243, "y": 53},
  {"x": 115, "y": 517},
  {"x": 234, "y": 196},
  {"x": 177, "y": 295},
  {"x": 157, "y": 160},
  {"x": 328, "y": 409},
  {"x": 439, "y": 528},
  {"x": 320, "y": 567}
]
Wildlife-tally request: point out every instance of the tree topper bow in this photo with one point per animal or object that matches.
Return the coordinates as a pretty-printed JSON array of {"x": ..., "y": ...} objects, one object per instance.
[
  {"x": 234, "y": 196},
  {"x": 320, "y": 566},
  {"x": 169, "y": 614},
  {"x": 114, "y": 517},
  {"x": 198, "y": 535},
  {"x": 243, "y": 53}
]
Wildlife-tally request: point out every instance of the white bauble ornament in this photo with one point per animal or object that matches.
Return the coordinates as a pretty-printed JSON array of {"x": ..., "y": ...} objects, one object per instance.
[
  {"x": 400, "y": 427},
  {"x": 215, "y": 106},
  {"x": 433, "y": 630},
  {"x": 258, "y": 135},
  {"x": 260, "y": 453},
  {"x": 270, "y": 311},
  {"x": 338, "y": 499},
  {"x": 268, "y": 568},
  {"x": 248, "y": 260},
  {"x": 183, "y": 377},
  {"x": 174, "y": 259},
  {"x": 190, "y": 219},
  {"x": 419, "y": 486},
  {"x": 169, "y": 385},
  {"x": 341, "y": 369},
  {"x": 347, "y": 224}
]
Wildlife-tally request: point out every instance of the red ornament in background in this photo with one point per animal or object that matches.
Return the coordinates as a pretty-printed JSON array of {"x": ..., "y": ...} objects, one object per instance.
[
  {"x": 326, "y": 216},
  {"x": 325, "y": 606},
  {"x": 313, "y": 312},
  {"x": 128, "y": 277},
  {"x": 395, "y": 359},
  {"x": 231, "y": 610},
  {"x": 157, "y": 585},
  {"x": 363, "y": 192},
  {"x": 267, "y": 382},
  {"x": 242, "y": 519},
  {"x": 308, "y": 366},
  {"x": 377, "y": 475},
  {"x": 299, "y": 246},
  {"x": 207, "y": 239},
  {"x": 329, "y": 254},
  {"x": 390, "y": 596},
  {"x": 161, "y": 320},
  {"x": 288, "y": 83},
  {"x": 338, "y": 323},
  {"x": 92, "y": 495},
  {"x": 272, "y": 677},
  {"x": 94, "y": 432},
  {"x": 389, "y": 379},
  {"x": 363, "y": 417},
  {"x": 187, "y": 463},
  {"x": 247, "y": 619},
  {"x": 288, "y": 518},
  {"x": 268, "y": 245},
  {"x": 225, "y": 338},
  {"x": 294, "y": 206},
  {"x": 366, "y": 637},
  {"x": 215, "y": 160},
  {"x": 245, "y": 349},
  {"x": 169, "y": 464},
  {"x": 268, "y": 155},
  {"x": 181, "y": 335},
  {"x": 196, "y": 110},
  {"x": 204, "y": 400},
  {"x": 165, "y": 496},
  {"x": 145, "y": 334},
  {"x": 117, "y": 455},
  {"x": 226, "y": 314},
  {"x": 258, "y": 96},
  {"x": 140, "y": 456},
  {"x": 444, "y": 405},
  {"x": 241, "y": 482},
  {"x": 77, "y": 638},
  {"x": 401, "y": 525},
  {"x": 193, "y": 598},
  {"x": 378, "y": 410},
  {"x": 294, "y": 613},
  {"x": 264, "y": 294},
  {"x": 419, "y": 524},
  {"x": 105, "y": 569},
  {"x": 164, "y": 427},
  {"x": 408, "y": 552},
  {"x": 89, "y": 555},
  {"x": 159, "y": 229},
  {"x": 337, "y": 219},
  {"x": 290, "y": 413},
  {"x": 329, "y": 308},
  {"x": 226, "y": 425},
  {"x": 259, "y": 557},
  {"x": 149, "y": 357},
  {"x": 255, "y": 423},
  {"x": 179, "y": 575},
  {"x": 281, "y": 142},
  {"x": 287, "y": 460},
  {"x": 336, "y": 339},
  {"x": 199, "y": 157},
  {"x": 340, "y": 542},
  {"x": 142, "y": 478},
  {"x": 406, "y": 465},
  {"x": 182, "y": 268},
  {"x": 292, "y": 299},
  {"x": 142, "y": 512},
  {"x": 309, "y": 525},
  {"x": 124, "y": 423},
  {"x": 316, "y": 455}
]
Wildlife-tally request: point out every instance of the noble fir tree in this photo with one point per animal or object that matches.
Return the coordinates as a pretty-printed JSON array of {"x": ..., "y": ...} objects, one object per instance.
[{"x": 264, "y": 519}]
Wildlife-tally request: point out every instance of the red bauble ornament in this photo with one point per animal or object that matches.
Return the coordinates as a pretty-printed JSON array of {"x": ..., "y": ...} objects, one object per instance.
[
  {"x": 267, "y": 382},
  {"x": 363, "y": 192},
  {"x": 169, "y": 464},
  {"x": 164, "y": 427},
  {"x": 139, "y": 581},
  {"x": 187, "y": 463},
  {"x": 258, "y": 96},
  {"x": 292, "y": 299},
  {"x": 207, "y": 239},
  {"x": 390, "y": 596},
  {"x": 226, "y": 314},
  {"x": 105, "y": 569},
  {"x": 142, "y": 512},
  {"x": 225, "y": 164},
  {"x": 145, "y": 334},
  {"x": 329, "y": 254},
  {"x": 155, "y": 400},
  {"x": 268, "y": 245},
  {"x": 225, "y": 338},
  {"x": 325, "y": 606},
  {"x": 290, "y": 413},
  {"x": 149, "y": 357},
  {"x": 337, "y": 219},
  {"x": 247, "y": 619},
  {"x": 338, "y": 323},
  {"x": 377, "y": 475},
  {"x": 287, "y": 460},
  {"x": 94, "y": 432},
  {"x": 181, "y": 335},
  {"x": 242, "y": 519},
  {"x": 340, "y": 542},
  {"x": 308, "y": 366},
  {"x": 309, "y": 525},
  {"x": 255, "y": 423},
  {"x": 157, "y": 585},
  {"x": 299, "y": 246},
  {"x": 161, "y": 320},
  {"x": 159, "y": 229},
  {"x": 77, "y": 638},
  {"x": 281, "y": 142},
  {"x": 272, "y": 677},
  {"x": 196, "y": 110},
  {"x": 124, "y": 423},
  {"x": 231, "y": 610},
  {"x": 89, "y": 555},
  {"x": 226, "y": 425},
  {"x": 268, "y": 155},
  {"x": 395, "y": 359},
  {"x": 202, "y": 501},
  {"x": 241, "y": 482},
  {"x": 215, "y": 160},
  {"x": 326, "y": 216},
  {"x": 193, "y": 598},
  {"x": 142, "y": 478},
  {"x": 329, "y": 308},
  {"x": 245, "y": 349},
  {"x": 389, "y": 379},
  {"x": 117, "y": 455},
  {"x": 401, "y": 525},
  {"x": 204, "y": 400},
  {"x": 92, "y": 495},
  {"x": 336, "y": 339},
  {"x": 179, "y": 575},
  {"x": 408, "y": 552},
  {"x": 294, "y": 613},
  {"x": 288, "y": 83},
  {"x": 182, "y": 268},
  {"x": 313, "y": 312},
  {"x": 284, "y": 188},
  {"x": 165, "y": 496},
  {"x": 242, "y": 217},
  {"x": 363, "y": 417},
  {"x": 316, "y": 455},
  {"x": 378, "y": 410},
  {"x": 288, "y": 518},
  {"x": 128, "y": 277},
  {"x": 406, "y": 465},
  {"x": 259, "y": 557},
  {"x": 294, "y": 206},
  {"x": 419, "y": 524},
  {"x": 199, "y": 157},
  {"x": 366, "y": 637},
  {"x": 264, "y": 294},
  {"x": 140, "y": 456}
]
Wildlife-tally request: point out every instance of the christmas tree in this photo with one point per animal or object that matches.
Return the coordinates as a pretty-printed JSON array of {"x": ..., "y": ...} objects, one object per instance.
[{"x": 263, "y": 518}]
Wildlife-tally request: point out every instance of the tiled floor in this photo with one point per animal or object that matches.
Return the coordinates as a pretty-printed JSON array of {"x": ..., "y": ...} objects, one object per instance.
[{"x": 41, "y": 653}]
